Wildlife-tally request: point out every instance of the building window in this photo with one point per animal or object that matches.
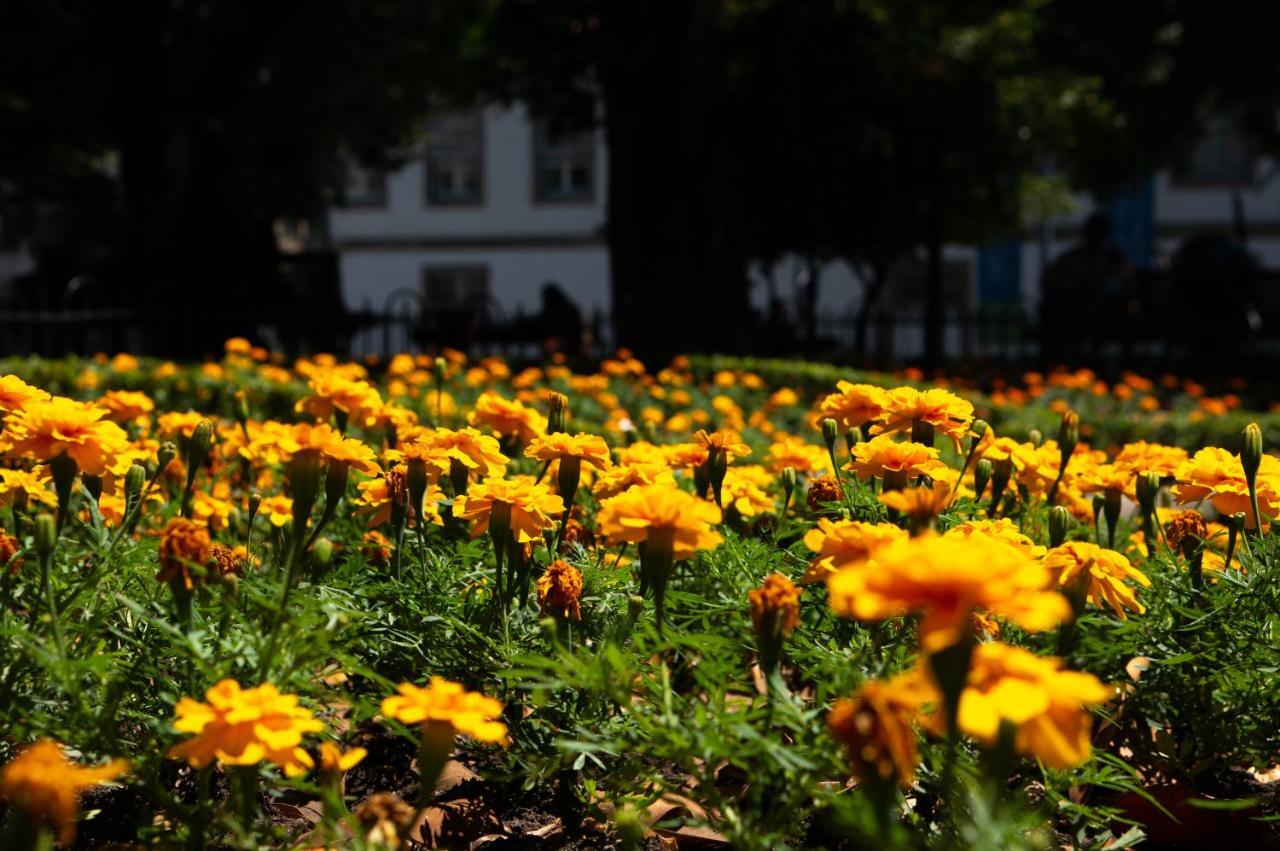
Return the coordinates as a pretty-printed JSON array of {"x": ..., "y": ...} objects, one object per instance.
[
  {"x": 364, "y": 187},
  {"x": 562, "y": 165},
  {"x": 456, "y": 287},
  {"x": 1224, "y": 156},
  {"x": 455, "y": 159}
]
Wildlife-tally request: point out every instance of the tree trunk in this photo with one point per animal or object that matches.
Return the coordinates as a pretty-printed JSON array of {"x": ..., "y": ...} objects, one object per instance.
[
  {"x": 935, "y": 294},
  {"x": 874, "y": 284},
  {"x": 677, "y": 271}
]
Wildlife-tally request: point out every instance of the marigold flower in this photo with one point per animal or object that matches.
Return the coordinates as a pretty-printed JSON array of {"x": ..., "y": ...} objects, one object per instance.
[
  {"x": 1047, "y": 705},
  {"x": 1186, "y": 530},
  {"x": 560, "y": 591},
  {"x": 26, "y": 486},
  {"x": 920, "y": 504},
  {"x": 877, "y": 726},
  {"x": 507, "y": 418},
  {"x": 944, "y": 579},
  {"x": 236, "y": 726},
  {"x": 329, "y": 443},
  {"x": 334, "y": 760},
  {"x": 946, "y": 412},
  {"x": 638, "y": 514},
  {"x": 853, "y": 404},
  {"x": 722, "y": 441},
  {"x": 183, "y": 543},
  {"x": 846, "y": 543},
  {"x": 883, "y": 458},
  {"x": 42, "y": 782},
  {"x": 742, "y": 491},
  {"x": 822, "y": 489},
  {"x": 1217, "y": 475},
  {"x": 45, "y": 430},
  {"x": 469, "y": 448},
  {"x": 16, "y": 394},
  {"x": 277, "y": 509},
  {"x": 126, "y": 406},
  {"x": 1102, "y": 573},
  {"x": 1105, "y": 478},
  {"x": 796, "y": 453},
  {"x": 1143, "y": 457},
  {"x": 776, "y": 602},
  {"x": 468, "y": 713},
  {"x": 357, "y": 400},
  {"x": 532, "y": 507},
  {"x": 620, "y": 477},
  {"x": 590, "y": 448},
  {"x": 1003, "y": 530},
  {"x": 178, "y": 424}
]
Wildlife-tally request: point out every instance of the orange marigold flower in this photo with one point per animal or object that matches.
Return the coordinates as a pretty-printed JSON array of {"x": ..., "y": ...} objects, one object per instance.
[
  {"x": 944, "y": 580},
  {"x": 1106, "y": 478},
  {"x": 877, "y": 726},
  {"x": 620, "y": 477},
  {"x": 177, "y": 424},
  {"x": 126, "y": 406},
  {"x": 507, "y": 418},
  {"x": 1003, "y": 531},
  {"x": 775, "y": 602},
  {"x": 334, "y": 760},
  {"x": 641, "y": 512},
  {"x": 26, "y": 486},
  {"x": 1217, "y": 475},
  {"x": 443, "y": 702},
  {"x": 236, "y": 726},
  {"x": 44, "y": 430},
  {"x": 357, "y": 400},
  {"x": 846, "y": 543},
  {"x": 941, "y": 409},
  {"x": 799, "y": 455},
  {"x": 1102, "y": 573},
  {"x": 331, "y": 445},
  {"x": 822, "y": 489},
  {"x": 560, "y": 591},
  {"x": 1143, "y": 457},
  {"x": 16, "y": 394},
  {"x": 531, "y": 507},
  {"x": 919, "y": 503},
  {"x": 1047, "y": 705},
  {"x": 901, "y": 462},
  {"x": 590, "y": 448},
  {"x": 444, "y": 448},
  {"x": 853, "y": 404},
  {"x": 41, "y": 781},
  {"x": 1186, "y": 530},
  {"x": 183, "y": 544},
  {"x": 722, "y": 441}
]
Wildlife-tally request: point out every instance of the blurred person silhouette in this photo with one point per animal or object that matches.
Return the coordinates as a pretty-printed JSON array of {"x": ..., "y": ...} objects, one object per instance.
[
  {"x": 558, "y": 324},
  {"x": 1085, "y": 293},
  {"x": 1213, "y": 280}
]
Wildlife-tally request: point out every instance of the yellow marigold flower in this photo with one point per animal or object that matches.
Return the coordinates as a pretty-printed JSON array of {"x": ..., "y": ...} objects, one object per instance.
[
  {"x": 277, "y": 509},
  {"x": 334, "y": 760},
  {"x": 1047, "y": 705},
  {"x": 331, "y": 445},
  {"x": 877, "y": 726},
  {"x": 560, "y": 591},
  {"x": 853, "y": 404},
  {"x": 683, "y": 455},
  {"x": 44, "y": 430},
  {"x": 443, "y": 702},
  {"x": 1102, "y": 573},
  {"x": 722, "y": 441},
  {"x": 941, "y": 409},
  {"x": 532, "y": 507},
  {"x": 236, "y": 726},
  {"x": 882, "y": 456},
  {"x": 1003, "y": 530},
  {"x": 43, "y": 783},
  {"x": 126, "y": 406},
  {"x": 1143, "y": 457},
  {"x": 1106, "y": 478},
  {"x": 16, "y": 394},
  {"x": 642, "y": 512},
  {"x": 919, "y": 503},
  {"x": 944, "y": 579},
  {"x": 1023, "y": 455},
  {"x": 477, "y": 452},
  {"x": 620, "y": 477},
  {"x": 1217, "y": 475},
  {"x": 742, "y": 490},
  {"x": 177, "y": 424},
  {"x": 25, "y": 485},
  {"x": 183, "y": 543},
  {"x": 846, "y": 543},
  {"x": 590, "y": 448},
  {"x": 799, "y": 455},
  {"x": 358, "y": 400},
  {"x": 507, "y": 418},
  {"x": 777, "y": 601}
]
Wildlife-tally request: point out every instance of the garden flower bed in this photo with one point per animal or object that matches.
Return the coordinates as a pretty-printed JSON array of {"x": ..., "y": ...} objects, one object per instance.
[{"x": 431, "y": 602}]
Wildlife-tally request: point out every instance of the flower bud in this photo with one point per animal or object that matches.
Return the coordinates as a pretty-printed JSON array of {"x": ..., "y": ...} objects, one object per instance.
[
  {"x": 304, "y": 485},
  {"x": 322, "y": 552},
  {"x": 1035, "y": 437},
  {"x": 718, "y": 467},
  {"x": 1251, "y": 451},
  {"x": 558, "y": 415},
  {"x": 1001, "y": 473},
  {"x": 1148, "y": 486},
  {"x": 440, "y": 366},
  {"x": 1059, "y": 525},
  {"x": 788, "y": 478},
  {"x": 242, "y": 408},
  {"x": 1068, "y": 433},
  {"x": 830, "y": 431},
  {"x": 416, "y": 480},
  {"x": 46, "y": 535},
  {"x": 979, "y": 429},
  {"x": 981, "y": 475},
  {"x": 199, "y": 445},
  {"x": 255, "y": 502},
  {"x": 165, "y": 455},
  {"x": 134, "y": 480}
]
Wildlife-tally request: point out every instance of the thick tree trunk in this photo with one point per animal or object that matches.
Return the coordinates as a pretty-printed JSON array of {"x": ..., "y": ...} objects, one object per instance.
[{"x": 678, "y": 273}]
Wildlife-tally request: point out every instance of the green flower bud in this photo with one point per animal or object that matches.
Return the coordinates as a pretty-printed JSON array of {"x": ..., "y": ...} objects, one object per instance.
[
  {"x": 440, "y": 366},
  {"x": 1068, "y": 433},
  {"x": 979, "y": 429},
  {"x": 1035, "y": 437},
  {"x": 199, "y": 445},
  {"x": 1251, "y": 451},
  {"x": 165, "y": 455},
  {"x": 558, "y": 414},
  {"x": 134, "y": 481},
  {"x": 981, "y": 475},
  {"x": 788, "y": 479},
  {"x": 1148, "y": 486},
  {"x": 322, "y": 552},
  {"x": 46, "y": 535},
  {"x": 1059, "y": 525},
  {"x": 304, "y": 485},
  {"x": 255, "y": 502},
  {"x": 830, "y": 431}
]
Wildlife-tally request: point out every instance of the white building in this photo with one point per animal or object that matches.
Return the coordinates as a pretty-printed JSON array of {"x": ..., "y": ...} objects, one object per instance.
[{"x": 494, "y": 207}]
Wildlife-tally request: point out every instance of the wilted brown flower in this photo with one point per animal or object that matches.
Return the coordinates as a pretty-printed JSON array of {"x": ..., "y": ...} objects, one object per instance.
[
  {"x": 183, "y": 543},
  {"x": 775, "y": 605},
  {"x": 560, "y": 591},
  {"x": 9, "y": 548},
  {"x": 1186, "y": 530},
  {"x": 822, "y": 489},
  {"x": 876, "y": 727}
]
